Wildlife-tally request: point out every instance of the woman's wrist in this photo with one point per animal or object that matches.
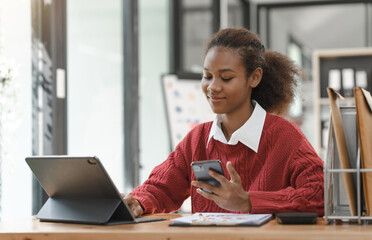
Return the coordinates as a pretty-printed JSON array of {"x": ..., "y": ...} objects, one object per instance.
[{"x": 248, "y": 204}]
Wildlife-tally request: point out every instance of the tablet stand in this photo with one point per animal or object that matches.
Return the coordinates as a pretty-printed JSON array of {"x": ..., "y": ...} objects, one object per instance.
[{"x": 90, "y": 211}]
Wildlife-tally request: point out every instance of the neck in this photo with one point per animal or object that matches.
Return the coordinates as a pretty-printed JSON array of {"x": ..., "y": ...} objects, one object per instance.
[{"x": 232, "y": 123}]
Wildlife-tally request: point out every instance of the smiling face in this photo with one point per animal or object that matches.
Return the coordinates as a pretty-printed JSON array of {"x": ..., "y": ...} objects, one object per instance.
[{"x": 225, "y": 83}]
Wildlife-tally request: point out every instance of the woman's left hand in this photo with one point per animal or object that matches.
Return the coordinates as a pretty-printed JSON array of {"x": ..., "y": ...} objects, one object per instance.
[{"x": 230, "y": 195}]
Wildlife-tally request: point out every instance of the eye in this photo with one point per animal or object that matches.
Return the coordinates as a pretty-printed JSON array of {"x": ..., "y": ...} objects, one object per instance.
[
  {"x": 226, "y": 79},
  {"x": 207, "y": 77}
]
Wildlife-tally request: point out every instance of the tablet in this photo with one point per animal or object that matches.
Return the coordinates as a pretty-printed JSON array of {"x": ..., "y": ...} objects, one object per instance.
[{"x": 80, "y": 191}]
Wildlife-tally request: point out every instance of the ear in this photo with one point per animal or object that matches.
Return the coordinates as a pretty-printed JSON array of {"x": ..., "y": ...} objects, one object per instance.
[{"x": 255, "y": 77}]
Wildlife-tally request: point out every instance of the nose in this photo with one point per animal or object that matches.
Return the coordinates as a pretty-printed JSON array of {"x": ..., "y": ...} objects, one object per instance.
[{"x": 214, "y": 86}]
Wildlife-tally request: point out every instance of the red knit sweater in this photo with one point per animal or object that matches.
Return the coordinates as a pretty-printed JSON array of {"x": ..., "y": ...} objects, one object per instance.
[{"x": 285, "y": 175}]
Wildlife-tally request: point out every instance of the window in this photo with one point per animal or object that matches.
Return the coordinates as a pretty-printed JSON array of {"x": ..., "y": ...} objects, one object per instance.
[
  {"x": 95, "y": 83},
  {"x": 15, "y": 116}
]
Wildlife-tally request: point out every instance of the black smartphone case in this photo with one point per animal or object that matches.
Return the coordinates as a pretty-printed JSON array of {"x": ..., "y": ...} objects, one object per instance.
[
  {"x": 297, "y": 218},
  {"x": 201, "y": 169}
]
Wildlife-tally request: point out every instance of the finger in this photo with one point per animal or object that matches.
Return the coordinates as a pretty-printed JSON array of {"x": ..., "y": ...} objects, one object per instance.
[
  {"x": 234, "y": 176},
  {"x": 204, "y": 185},
  {"x": 220, "y": 178},
  {"x": 136, "y": 209},
  {"x": 134, "y": 205},
  {"x": 137, "y": 212},
  {"x": 126, "y": 197},
  {"x": 129, "y": 199},
  {"x": 207, "y": 195}
]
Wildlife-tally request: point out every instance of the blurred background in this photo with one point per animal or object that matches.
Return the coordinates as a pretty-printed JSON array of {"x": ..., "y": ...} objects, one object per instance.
[{"x": 86, "y": 77}]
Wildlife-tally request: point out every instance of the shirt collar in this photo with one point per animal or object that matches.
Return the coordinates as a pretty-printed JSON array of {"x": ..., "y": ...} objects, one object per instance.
[{"x": 249, "y": 134}]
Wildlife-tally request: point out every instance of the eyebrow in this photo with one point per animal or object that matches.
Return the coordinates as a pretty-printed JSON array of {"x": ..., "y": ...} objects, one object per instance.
[{"x": 222, "y": 70}]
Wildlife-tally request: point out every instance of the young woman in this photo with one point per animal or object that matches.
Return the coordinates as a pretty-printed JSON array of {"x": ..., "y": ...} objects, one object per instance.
[{"x": 269, "y": 164}]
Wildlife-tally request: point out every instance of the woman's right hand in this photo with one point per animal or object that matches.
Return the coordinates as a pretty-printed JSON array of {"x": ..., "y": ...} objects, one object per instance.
[{"x": 133, "y": 204}]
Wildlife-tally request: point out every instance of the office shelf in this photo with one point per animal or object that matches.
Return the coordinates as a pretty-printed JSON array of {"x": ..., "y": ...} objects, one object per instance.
[{"x": 354, "y": 59}]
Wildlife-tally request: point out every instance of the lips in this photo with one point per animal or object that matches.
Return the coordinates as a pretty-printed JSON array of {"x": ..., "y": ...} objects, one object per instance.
[{"x": 215, "y": 99}]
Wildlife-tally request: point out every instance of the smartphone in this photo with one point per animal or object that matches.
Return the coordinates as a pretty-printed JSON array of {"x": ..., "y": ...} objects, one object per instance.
[
  {"x": 297, "y": 218},
  {"x": 201, "y": 169}
]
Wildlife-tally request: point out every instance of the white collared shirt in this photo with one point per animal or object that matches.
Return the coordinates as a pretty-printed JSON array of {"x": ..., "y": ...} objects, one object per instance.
[{"x": 249, "y": 134}]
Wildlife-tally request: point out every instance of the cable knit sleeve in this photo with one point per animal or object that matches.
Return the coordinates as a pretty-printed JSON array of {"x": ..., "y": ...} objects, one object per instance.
[
  {"x": 304, "y": 193},
  {"x": 167, "y": 186}
]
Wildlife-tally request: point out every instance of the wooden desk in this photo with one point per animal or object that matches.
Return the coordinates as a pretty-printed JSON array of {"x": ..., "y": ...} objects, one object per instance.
[{"x": 32, "y": 229}]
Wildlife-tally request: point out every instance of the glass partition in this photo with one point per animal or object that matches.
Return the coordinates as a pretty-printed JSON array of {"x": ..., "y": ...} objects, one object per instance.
[
  {"x": 95, "y": 82},
  {"x": 297, "y": 31}
]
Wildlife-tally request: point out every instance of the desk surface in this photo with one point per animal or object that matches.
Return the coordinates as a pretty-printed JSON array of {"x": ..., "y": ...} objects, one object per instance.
[{"x": 33, "y": 229}]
